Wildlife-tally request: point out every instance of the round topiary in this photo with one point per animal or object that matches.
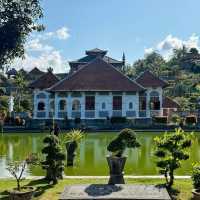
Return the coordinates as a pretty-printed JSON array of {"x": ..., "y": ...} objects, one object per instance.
[{"x": 126, "y": 139}]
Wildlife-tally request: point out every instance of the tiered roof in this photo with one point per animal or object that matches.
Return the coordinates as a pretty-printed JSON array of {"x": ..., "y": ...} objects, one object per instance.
[
  {"x": 169, "y": 103},
  {"x": 97, "y": 75}
]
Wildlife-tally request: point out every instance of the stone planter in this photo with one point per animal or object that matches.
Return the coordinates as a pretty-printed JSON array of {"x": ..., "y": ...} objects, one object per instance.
[
  {"x": 116, "y": 166},
  {"x": 196, "y": 194},
  {"x": 25, "y": 194}
]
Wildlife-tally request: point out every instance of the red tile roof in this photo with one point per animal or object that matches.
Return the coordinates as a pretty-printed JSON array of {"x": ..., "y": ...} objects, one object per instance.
[
  {"x": 169, "y": 103},
  {"x": 147, "y": 79},
  {"x": 44, "y": 81},
  {"x": 97, "y": 75}
]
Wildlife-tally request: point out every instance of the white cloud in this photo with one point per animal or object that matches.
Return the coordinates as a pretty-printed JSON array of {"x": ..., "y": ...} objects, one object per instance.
[
  {"x": 39, "y": 52},
  {"x": 63, "y": 33},
  {"x": 166, "y": 46}
]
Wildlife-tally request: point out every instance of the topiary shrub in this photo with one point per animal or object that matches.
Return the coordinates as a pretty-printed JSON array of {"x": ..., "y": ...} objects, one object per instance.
[
  {"x": 170, "y": 151},
  {"x": 196, "y": 176},
  {"x": 126, "y": 139},
  {"x": 53, "y": 163}
]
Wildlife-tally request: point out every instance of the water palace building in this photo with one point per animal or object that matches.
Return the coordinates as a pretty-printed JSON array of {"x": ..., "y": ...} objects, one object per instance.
[{"x": 96, "y": 89}]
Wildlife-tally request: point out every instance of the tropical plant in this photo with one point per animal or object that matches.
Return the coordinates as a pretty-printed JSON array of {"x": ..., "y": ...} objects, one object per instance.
[
  {"x": 170, "y": 151},
  {"x": 71, "y": 140},
  {"x": 53, "y": 163},
  {"x": 126, "y": 139},
  {"x": 196, "y": 176},
  {"x": 175, "y": 118},
  {"x": 17, "y": 168}
]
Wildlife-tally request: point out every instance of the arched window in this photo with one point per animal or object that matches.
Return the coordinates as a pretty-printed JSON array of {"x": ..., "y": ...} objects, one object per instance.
[
  {"x": 103, "y": 106},
  {"x": 130, "y": 106},
  {"x": 41, "y": 106},
  {"x": 62, "y": 105},
  {"x": 41, "y": 96},
  {"x": 76, "y": 106},
  {"x": 154, "y": 101}
]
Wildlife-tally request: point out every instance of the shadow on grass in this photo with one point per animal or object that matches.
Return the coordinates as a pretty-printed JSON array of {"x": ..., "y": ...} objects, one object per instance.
[
  {"x": 173, "y": 193},
  {"x": 40, "y": 185}
]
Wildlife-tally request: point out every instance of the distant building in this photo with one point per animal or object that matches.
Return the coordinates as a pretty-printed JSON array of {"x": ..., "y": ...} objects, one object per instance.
[{"x": 96, "y": 89}]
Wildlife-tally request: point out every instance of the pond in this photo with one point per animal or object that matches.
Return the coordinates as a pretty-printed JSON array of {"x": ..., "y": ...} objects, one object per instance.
[{"x": 91, "y": 157}]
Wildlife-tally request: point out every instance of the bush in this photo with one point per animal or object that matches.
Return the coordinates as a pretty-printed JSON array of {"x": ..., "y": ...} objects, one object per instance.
[
  {"x": 196, "y": 176},
  {"x": 190, "y": 120},
  {"x": 160, "y": 120},
  {"x": 175, "y": 118},
  {"x": 53, "y": 163},
  {"x": 170, "y": 151},
  {"x": 26, "y": 105},
  {"x": 118, "y": 120},
  {"x": 125, "y": 139}
]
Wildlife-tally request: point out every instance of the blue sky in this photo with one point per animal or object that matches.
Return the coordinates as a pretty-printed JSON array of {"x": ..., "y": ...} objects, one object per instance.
[{"x": 135, "y": 27}]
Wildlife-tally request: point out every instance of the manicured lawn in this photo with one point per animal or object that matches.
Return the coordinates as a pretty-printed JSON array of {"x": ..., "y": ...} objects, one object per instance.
[{"x": 48, "y": 192}]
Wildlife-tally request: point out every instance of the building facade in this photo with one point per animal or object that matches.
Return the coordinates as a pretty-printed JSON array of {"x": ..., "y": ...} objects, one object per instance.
[{"x": 96, "y": 89}]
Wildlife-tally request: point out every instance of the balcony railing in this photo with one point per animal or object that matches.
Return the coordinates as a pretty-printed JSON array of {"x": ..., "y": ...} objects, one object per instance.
[
  {"x": 62, "y": 114},
  {"x": 76, "y": 114},
  {"x": 130, "y": 114},
  {"x": 142, "y": 113},
  {"x": 41, "y": 114}
]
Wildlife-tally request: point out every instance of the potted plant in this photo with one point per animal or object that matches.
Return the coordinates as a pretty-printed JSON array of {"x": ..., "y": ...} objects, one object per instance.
[
  {"x": 17, "y": 169},
  {"x": 71, "y": 141},
  {"x": 196, "y": 181},
  {"x": 116, "y": 161}
]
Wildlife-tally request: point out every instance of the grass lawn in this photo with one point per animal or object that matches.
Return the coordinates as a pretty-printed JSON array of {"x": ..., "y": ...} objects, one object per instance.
[{"x": 49, "y": 192}]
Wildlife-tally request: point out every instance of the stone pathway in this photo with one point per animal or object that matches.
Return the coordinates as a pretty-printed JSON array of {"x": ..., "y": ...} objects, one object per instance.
[{"x": 114, "y": 192}]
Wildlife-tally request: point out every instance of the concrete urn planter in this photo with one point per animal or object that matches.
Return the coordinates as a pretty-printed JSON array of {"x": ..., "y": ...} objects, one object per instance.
[
  {"x": 116, "y": 166},
  {"x": 25, "y": 194},
  {"x": 196, "y": 194}
]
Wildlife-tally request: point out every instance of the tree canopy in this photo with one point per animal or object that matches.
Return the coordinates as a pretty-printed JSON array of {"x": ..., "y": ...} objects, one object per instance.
[{"x": 18, "y": 18}]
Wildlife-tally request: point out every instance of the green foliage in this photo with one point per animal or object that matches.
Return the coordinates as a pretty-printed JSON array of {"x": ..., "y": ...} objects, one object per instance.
[
  {"x": 126, "y": 139},
  {"x": 196, "y": 176},
  {"x": 170, "y": 151},
  {"x": 17, "y": 168},
  {"x": 175, "y": 118},
  {"x": 71, "y": 141},
  {"x": 54, "y": 158},
  {"x": 18, "y": 20}
]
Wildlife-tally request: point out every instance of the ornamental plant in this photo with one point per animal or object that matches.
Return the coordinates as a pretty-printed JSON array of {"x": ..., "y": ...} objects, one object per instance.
[
  {"x": 54, "y": 162},
  {"x": 196, "y": 176},
  {"x": 126, "y": 139},
  {"x": 71, "y": 142},
  {"x": 171, "y": 150},
  {"x": 18, "y": 168}
]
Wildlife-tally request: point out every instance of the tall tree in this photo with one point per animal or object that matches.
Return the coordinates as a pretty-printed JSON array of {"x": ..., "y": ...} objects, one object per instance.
[
  {"x": 18, "y": 18},
  {"x": 153, "y": 62},
  {"x": 21, "y": 84}
]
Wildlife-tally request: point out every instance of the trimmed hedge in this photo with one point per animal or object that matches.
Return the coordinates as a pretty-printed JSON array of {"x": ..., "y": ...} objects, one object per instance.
[
  {"x": 118, "y": 120},
  {"x": 160, "y": 120}
]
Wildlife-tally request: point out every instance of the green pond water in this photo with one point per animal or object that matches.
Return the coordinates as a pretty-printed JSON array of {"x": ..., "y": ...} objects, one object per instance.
[{"x": 91, "y": 156}]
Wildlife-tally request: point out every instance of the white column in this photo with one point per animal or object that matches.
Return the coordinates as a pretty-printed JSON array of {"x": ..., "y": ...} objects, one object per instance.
[
  {"x": 47, "y": 102},
  {"x": 123, "y": 104},
  {"x": 137, "y": 104},
  {"x": 56, "y": 106},
  {"x": 69, "y": 106},
  {"x": 82, "y": 101},
  {"x": 96, "y": 105},
  {"x": 148, "y": 103},
  {"x": 110, "y": 104},
  {"x": 161, "y": 101}
]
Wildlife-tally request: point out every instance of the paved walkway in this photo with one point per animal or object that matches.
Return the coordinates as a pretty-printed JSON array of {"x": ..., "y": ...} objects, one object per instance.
[{"x": 104, "y": 177}]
